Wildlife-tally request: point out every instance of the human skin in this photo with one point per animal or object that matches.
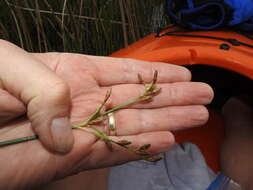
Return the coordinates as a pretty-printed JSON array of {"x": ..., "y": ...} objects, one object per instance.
[{"x": 73, "y": 86}]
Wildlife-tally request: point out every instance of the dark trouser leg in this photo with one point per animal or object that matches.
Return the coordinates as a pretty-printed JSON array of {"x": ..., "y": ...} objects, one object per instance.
[{"x": 237, "y": 151}]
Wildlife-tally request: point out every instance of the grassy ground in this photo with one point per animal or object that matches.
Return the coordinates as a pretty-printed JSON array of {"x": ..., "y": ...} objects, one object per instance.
[{"x": 85, "y": 26}]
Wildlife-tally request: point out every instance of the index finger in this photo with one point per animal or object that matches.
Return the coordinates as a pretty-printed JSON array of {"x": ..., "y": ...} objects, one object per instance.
[{"x": 112, "y": 71}]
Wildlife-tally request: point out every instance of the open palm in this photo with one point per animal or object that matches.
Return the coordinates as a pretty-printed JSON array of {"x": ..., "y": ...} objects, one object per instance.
[{"x": 178, "y": 106}]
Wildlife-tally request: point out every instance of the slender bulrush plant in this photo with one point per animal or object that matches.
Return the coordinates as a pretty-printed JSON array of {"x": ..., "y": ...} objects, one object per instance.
[
  {"x": 90, "y": 26},
  {"x": 98, "y": 116}
]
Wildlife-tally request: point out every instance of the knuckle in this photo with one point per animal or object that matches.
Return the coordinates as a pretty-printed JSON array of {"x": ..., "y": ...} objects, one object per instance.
[
  {"x": 174, "y": 93},
  {"x": 54, "y": 101},
  {"x": 59, "y": 91}
]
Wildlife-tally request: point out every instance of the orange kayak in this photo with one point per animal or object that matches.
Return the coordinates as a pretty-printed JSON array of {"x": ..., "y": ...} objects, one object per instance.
[{"x": 222, "y": 58}]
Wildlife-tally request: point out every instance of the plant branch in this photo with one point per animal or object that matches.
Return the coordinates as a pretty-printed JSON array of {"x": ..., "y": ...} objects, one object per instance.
[{"x": 150, "y": 91}]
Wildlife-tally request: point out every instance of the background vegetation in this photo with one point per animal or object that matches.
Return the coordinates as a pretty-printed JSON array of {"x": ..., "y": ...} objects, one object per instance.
[{"x": 85, "y": 26}]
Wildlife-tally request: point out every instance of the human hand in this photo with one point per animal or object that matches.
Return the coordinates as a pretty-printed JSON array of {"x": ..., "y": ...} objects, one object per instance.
[
  {"x": 178, "y": 106},
  {"x": 27, "y": 86}
]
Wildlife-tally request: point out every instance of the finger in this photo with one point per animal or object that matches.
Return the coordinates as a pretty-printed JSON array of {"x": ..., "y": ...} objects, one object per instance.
[
  {"x": 137, "y": 121},
  {"x": 10, "y": 107},
  {"x": 175, "y": 94},
  {"x": 101, "y": 156},
  {"x": 111, "y": 71},
  {"x": 46, "y": 96}
]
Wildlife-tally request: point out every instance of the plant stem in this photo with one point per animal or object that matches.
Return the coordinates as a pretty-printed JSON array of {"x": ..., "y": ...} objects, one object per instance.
[
  {"x": 150, "y": 91},
  {"x": 81, "y": 125},
  {"x": 121, "y": 106},
  {"x": 18, "y": 140}
]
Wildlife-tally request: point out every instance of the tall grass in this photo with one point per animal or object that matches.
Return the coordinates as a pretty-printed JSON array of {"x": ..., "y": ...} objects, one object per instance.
[{"x": 85, "y": 26}]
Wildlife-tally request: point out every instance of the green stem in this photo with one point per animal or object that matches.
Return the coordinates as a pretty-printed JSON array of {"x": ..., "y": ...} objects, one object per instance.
[
  {"x": 19, "y": 140},
  {"x": 35, "y": 137},
  {"x": 121, "y": 106},
  {"x": 87, "y": 122}
]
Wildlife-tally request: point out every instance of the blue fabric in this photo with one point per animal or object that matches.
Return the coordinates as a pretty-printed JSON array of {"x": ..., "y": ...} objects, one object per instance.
[
  {"x": 190, "y": 4},
  {"x": 240, "y": 14},
  {"x": 220, "y": 180},
  {"x": 243, "y": 10},
  {"x": 223, "y": 182},
  {"x": 183, "y": 167},
  {"x": 205, "y": 19}
]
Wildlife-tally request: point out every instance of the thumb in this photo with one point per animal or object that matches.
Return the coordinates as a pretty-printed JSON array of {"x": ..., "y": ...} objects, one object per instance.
[
  {"x": 10, "y": 107},
  {"x": 46, "y": 96}
]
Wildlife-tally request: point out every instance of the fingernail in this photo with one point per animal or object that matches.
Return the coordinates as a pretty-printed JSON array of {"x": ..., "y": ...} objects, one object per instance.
[{"x": 62, "y": 134}]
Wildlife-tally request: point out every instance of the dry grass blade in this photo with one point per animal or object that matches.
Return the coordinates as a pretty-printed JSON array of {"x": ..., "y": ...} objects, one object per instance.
[
  {"x": 3, "y": 32},
  {"x": 19, "y": 31},
  {"x": 41, "y": 26},
  {"x": 63, "y": 12},
  {"x": 124, "y": 27}
]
